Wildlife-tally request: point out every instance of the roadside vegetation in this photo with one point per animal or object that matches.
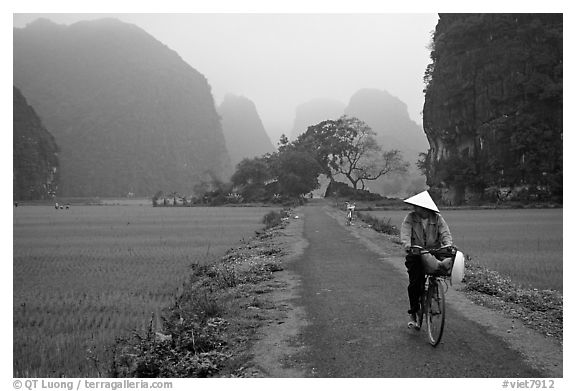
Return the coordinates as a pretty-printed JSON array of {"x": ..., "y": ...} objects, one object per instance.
[
  {"x": 206, "y": 331},
  {"x": 379, "y": 225},
  {"x": 539, "y": 309},
  {"x": 273, "y": 218}
]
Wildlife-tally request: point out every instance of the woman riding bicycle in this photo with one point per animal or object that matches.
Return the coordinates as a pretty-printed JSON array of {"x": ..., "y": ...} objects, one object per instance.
[{"x": 425, "y": 228}]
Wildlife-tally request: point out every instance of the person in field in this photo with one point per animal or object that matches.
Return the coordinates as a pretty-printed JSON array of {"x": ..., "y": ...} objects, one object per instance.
[{"x": 426, "y": 228}]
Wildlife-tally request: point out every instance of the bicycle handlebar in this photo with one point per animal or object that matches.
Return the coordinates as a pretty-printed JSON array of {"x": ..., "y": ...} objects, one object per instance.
[{"x": 419, "y": 250}]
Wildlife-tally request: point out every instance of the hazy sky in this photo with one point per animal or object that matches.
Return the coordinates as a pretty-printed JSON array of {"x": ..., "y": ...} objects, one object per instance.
[{"x": 282, "y": 60}]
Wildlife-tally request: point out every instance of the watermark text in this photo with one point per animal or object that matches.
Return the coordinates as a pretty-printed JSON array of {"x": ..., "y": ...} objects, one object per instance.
[
  {"x": 528, "y": 383},
  {"x": 90, "y": 384}
]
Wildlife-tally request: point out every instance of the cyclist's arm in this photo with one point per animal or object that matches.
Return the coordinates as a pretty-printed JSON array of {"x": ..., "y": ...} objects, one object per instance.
[
  {"x": 406, "y": 233},
  {"x": 444, "y": 232}
]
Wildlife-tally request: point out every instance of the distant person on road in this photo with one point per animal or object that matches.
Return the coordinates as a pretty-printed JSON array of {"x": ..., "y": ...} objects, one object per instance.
[
  {"x": 426, "y": 228},
  {"x": 350, "y": 208}
]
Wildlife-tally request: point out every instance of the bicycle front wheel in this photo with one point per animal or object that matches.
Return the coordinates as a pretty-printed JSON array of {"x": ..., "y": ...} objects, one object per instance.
[
  {"x": 422, "y": 311},
  {"x": 435, "y": 312}
]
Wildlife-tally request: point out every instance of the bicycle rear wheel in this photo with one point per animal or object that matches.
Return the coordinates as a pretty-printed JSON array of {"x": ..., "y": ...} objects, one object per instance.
[{"x": 435, "y": 312}]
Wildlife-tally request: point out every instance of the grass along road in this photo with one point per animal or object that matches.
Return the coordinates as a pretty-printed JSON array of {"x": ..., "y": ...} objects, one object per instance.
[{"x": 523, "y": 244}]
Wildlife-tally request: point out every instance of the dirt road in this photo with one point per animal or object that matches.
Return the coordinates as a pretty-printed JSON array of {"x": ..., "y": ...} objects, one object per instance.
[{"x": 348, "y": 300}]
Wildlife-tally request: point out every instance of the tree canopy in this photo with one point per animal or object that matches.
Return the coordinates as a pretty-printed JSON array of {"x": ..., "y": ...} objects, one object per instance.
[{"x": 345, "y": 146}]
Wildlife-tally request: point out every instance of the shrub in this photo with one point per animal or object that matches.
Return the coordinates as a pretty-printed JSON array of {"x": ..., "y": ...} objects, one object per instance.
[
  {"x": 191, "y": 349},
  {"x": 378, "y": 224},
  {"x": 339, "y": 189},
  {"x": 272, "y": 219}
]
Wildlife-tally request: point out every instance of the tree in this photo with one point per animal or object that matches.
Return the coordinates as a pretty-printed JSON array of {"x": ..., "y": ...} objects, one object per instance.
[
  {"x": 296, "y": 172},
  {"x": 283, "y": 142},
  {"x": 347, "y": 146},
  {"x": 374, "y": 166},
  {"x": 253, "y": 171},
  {"x": 251, "y": 177}
]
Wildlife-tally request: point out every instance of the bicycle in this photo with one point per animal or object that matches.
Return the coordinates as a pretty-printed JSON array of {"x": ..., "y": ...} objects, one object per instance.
[{"x": 432, "y": 300}]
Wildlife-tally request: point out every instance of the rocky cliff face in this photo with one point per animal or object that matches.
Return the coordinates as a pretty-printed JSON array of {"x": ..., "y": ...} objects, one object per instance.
[
  {"x": 243, "y": 130},
  {"x": 313, "y": 112},
  {"x": 127, "y": 112},
  {"x": 493, "y": 108},
  {"x": 34, "y": 154}
]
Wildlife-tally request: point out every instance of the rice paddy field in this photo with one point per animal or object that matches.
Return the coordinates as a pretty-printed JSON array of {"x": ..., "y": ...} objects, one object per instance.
[
  {"x": 523, "y": 244},
  {"x": 84, "y": 276}
]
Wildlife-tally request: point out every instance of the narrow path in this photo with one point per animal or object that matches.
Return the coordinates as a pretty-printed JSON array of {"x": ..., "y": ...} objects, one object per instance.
[{"x": 356, "y": 301}]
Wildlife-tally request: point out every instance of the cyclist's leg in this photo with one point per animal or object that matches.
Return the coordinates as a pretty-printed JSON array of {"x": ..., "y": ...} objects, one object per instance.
[{"x": 416, "y": 281}]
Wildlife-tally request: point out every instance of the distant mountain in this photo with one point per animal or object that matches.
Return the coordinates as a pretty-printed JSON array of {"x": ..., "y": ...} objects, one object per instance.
[
  {"x": 34, "y": 153},
  {"x": 127, "y": 112},
  {"x": 243, "y": 130},
  {"x": 314, "y": 112},
  {"x": 388, "y": 117}
]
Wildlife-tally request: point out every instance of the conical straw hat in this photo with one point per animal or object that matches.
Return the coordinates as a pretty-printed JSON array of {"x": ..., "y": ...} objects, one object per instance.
[{"x": 424, "y": 200}]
